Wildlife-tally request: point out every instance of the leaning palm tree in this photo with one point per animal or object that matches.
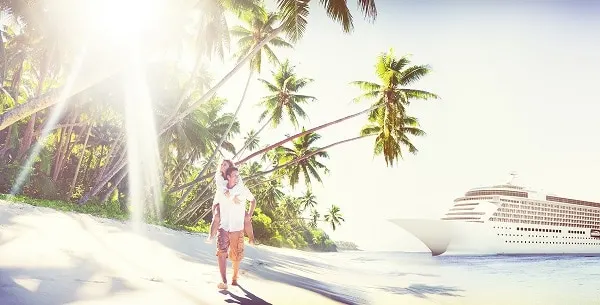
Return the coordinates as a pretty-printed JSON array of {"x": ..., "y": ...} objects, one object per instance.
[
  {"x": 390, "y": 96},
  {"x": 260, "y": 23},
  {"x": 334, "y": 217},
  {"x": 285, "y": 99},
  {"x": 392, "y": 92},
  {"x": 309, "y": 166},
  {"x": 390, "y": 138},
  {"x": 293, "y": 23}
]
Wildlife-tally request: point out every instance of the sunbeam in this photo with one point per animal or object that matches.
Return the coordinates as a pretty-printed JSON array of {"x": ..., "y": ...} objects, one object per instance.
[
  {"x": 142, "y": 145},
  {"x": 52, "y": 120}
]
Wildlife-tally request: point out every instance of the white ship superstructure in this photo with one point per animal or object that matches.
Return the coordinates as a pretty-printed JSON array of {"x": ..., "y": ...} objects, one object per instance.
[{"x": 509, "y": 219}]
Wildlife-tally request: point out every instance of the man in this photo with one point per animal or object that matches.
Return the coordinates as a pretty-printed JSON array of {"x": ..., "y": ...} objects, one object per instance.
[{"x": 230, "y": 236}]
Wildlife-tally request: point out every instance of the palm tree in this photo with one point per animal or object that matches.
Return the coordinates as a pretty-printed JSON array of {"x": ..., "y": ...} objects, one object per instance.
[
  {"x": 407, "y": 94},
  {"x": 390, "y": 139},
  {"x": 259, "y": 24},
  {"x": 309, "y": 166},
  {"x": 284, "y": 97},
  {"x": 314, "y": 218},
  {"x": 334, "y": 217},
  {"x": 294, "y": 21},
  {"x": 391, "y": 98},
  {"x": 251, "y": 142},
  {"x": 308, "y": 200}
]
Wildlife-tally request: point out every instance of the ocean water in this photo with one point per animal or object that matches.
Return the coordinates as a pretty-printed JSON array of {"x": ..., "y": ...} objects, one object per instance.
[{"x": 418, "y": 278}]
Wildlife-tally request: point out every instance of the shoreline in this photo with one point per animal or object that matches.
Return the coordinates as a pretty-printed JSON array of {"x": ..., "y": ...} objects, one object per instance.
[
  {"x": 122, "y": 217},
  {"x": 94, "y": 260},
  {"x": 51, "y": 257}
]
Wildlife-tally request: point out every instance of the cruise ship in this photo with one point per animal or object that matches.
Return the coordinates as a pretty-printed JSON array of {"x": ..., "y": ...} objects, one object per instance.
[{"x": 510, "y": 219}]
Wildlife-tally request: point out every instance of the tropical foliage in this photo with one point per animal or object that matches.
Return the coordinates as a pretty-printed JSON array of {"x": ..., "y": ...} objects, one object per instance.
[{"x": 66, "y": 135}]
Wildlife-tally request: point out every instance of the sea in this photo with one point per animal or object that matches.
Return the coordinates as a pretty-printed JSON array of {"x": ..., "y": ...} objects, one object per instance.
[{"x": 360, "y": 277}]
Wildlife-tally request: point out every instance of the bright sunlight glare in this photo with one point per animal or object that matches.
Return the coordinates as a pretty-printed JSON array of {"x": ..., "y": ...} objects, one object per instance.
[
  {"x": 142, "y": 147},
  {"x": 52, "y": 120},
  {"x": 120, "y": 19}
]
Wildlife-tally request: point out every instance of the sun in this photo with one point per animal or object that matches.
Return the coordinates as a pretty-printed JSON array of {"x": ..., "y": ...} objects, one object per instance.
[{"x": 122, "y": 20}]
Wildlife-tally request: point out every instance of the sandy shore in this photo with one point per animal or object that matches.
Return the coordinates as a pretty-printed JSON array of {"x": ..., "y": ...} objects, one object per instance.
[{"x": 52, "y": 257}]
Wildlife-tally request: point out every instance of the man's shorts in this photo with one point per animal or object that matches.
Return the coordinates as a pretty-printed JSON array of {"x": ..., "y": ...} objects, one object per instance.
[{"x": 232, "y": 241}]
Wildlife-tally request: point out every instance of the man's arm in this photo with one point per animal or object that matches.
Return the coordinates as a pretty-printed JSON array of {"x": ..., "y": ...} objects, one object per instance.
[
  {"x": 250, "y": 197},
  {"x": 251, "y": 211}
]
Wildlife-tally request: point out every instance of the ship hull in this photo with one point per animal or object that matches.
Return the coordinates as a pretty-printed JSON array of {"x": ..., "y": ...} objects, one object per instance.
[{"x": 488, "y": 238}]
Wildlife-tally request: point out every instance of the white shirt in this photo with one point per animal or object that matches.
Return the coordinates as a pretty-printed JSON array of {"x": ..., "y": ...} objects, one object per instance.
[
  {"x": 232, "y": 214},
  {"x": 221, "y": 184}
]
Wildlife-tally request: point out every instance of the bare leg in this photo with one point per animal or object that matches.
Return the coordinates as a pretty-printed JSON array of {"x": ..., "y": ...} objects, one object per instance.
[
  {"x": 215, "y": 224},
  {"x": 223, "y": 268},
  {"x": 222, "y": 245},
  {"x": 236, "y": 269},
  {"x": 249, "y": 231}
]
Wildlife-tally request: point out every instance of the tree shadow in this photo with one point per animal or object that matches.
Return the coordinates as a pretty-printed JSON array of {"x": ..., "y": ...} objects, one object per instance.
[
  {"x": 339, "y": 293},
  {"x": 424, "y": 290},
  {"x": 248, "y": 298},
  {"x": 56, "y": 286},
  {"x": 263, "y": 263},
  {"x": 413, "y": 273}
]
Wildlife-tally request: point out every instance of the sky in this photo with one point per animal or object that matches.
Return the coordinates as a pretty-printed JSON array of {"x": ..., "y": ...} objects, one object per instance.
[{"x": 516, "y": 85}]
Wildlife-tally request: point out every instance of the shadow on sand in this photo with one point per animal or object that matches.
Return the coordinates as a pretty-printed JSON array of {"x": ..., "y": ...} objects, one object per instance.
[
  {"x": 84, "y": 278},
  {"x": 424, "y": 290},
  {"x": 264, "y": 264},
  {"x": 248, "y": 298},
  {"x": 56, "y": 286}
]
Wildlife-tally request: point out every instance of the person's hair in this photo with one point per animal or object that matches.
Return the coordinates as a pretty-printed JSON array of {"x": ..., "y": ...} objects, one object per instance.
[
  {"x": 230, "y": 170},
  {"x": 224, "y": 175}
]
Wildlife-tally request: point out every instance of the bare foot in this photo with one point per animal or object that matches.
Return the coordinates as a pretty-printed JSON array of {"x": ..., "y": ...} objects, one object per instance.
[
  {"x": 222, "y": 286},
  {"x": 234, "y": 283},
  {"x": 251, "y": 241}
]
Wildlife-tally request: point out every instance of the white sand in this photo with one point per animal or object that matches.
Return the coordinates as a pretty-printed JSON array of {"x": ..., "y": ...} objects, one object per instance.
[{"x": 51, "y": 257}]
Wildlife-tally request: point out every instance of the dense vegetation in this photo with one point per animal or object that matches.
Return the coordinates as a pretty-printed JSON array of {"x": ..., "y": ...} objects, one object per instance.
[{"x": 81, "y": 123}]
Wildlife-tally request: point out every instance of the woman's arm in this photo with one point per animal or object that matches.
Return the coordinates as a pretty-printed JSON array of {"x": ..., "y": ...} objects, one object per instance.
[
  {"x": 220, "y": 182},
  {"x": 237, "y": 189}
]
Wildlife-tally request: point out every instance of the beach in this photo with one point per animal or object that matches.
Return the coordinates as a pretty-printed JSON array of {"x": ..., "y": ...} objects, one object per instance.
[{"x": 53, "y": 257}]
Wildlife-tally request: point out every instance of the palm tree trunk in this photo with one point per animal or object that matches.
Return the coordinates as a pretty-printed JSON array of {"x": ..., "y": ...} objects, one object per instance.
[
  {"x": 2, "y": 61},
  {"x": 114, "y": 149},
  {"x": 62, "y": 154},
  {"x": 270, "y": 147},
  {"x": 185, "y": 113},
  {"x": 103, "y": 181},
  {"x": 97, "y": 64},
  {"x": 309, "y": 155},
  {"x": 212, "y": 157},
  {"x": 113, "y": 187},
  {"x": 179, "y": 170},
  {"x": 187, "y": 89},
  {"x": 212, "y": 91},
  {"x": 253, "y": 136},
  {"x": 87, "y": 137},
  {"x": 305, "y": 133},
  {"x": 28, "y": 136}
]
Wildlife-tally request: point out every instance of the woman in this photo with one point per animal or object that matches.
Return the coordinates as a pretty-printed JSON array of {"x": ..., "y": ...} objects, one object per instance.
[{"x": 221, "y": 183}]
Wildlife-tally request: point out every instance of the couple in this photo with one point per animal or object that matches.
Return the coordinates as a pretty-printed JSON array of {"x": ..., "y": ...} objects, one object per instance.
[{"x": 230, "y": 220}]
